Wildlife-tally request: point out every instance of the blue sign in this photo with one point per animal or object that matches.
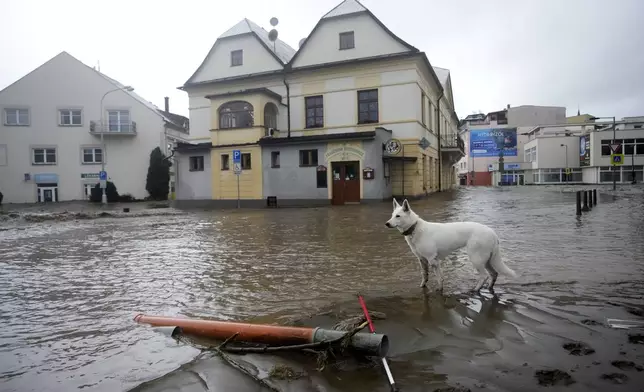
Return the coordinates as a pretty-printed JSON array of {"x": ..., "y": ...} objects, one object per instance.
[
  {"x": 491, "y": 142},
  {"x": 512, "y": 166},
  {"x": 46, "y": 178},
  {"x": 102, "y": 175},
  {"x": 236, "y": 156}
]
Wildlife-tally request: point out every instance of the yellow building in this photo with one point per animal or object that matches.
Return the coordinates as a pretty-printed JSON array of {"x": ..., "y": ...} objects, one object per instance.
[{"x": 340, "y": 120}]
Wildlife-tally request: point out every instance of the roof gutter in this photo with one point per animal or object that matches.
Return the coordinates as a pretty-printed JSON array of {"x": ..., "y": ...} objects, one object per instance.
[{"x": 440, "y": 157}]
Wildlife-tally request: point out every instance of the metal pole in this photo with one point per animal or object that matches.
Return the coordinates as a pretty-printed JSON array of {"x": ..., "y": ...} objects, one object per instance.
[
  {"x": 238, "y": 202},
  {"x": 102, "y": 129},
  {"x": 614, "y": 137},
  {"x": 633, "y": 181},
  {"x": 403, "y": 171}
]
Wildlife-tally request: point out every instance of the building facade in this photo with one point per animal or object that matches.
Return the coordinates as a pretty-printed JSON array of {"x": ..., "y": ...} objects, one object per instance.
[
  {"x": 355, "y": 114},
  {"x": 580, "y": 153},
  {"x": 478, "y": 165},
  {"x": 50, "y": 135}
]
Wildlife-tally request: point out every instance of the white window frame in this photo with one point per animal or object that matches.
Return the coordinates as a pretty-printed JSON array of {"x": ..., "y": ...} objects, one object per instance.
[
  {"x": 121, "y": 126},
  {"x": 199, "y": 161},
  {"x": 18, "y": 123},
  {"x": 44, "y": 150},
  {"x": 70, "y": 114},
  {"x": 93, "y": 148}
]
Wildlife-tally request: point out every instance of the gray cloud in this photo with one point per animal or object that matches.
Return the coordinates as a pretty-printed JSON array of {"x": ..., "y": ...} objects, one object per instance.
[{"x": 548, "y": 52}]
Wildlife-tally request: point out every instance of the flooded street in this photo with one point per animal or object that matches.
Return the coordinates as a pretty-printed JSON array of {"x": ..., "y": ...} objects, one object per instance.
[{"x": 69, "y": 290}]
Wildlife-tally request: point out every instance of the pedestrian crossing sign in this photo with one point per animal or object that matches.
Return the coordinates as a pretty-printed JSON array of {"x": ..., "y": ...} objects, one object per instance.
[{"x": 617, "y": 159}]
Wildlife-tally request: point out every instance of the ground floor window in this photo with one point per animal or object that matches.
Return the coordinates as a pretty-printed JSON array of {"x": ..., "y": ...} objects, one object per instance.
[
  {"x": 87, "y": 190},
  {"x": 245, "y": 161},
  {"x": 321, "y": 177},
  {"x": 606, "y": 174},
  {"x": 630, "y": 172}
]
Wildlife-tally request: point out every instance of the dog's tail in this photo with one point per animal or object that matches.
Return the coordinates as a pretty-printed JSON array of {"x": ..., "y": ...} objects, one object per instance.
[{"x": 497, "y": 263}]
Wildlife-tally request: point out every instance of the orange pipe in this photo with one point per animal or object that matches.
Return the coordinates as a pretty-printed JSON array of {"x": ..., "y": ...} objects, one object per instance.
[{"x": 222, "y": 330}]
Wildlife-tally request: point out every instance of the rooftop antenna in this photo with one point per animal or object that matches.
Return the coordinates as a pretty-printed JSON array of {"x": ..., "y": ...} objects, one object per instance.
[{"x": 272, "y": 35}]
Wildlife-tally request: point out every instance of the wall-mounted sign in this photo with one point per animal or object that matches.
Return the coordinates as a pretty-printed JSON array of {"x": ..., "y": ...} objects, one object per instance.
[
  {"x": 393, "y": 146},
  {"x": 584, "y": 150},
  {"x": 367, "y": 173},
  {"x": 345, "y": 151},
  {"x": 89, "y": 175},
  {"x": 321, "y": 168}
]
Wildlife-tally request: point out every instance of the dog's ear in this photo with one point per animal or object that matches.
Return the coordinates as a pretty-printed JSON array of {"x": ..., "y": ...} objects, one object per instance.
[
  {"x": 406, "y": 206},
  {"x": 396, "y": 205}
]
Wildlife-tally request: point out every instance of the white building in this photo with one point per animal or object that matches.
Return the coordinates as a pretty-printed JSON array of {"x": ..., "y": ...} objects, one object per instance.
[
  {"x": 50, "y": 135},
  {"x": 350, "y": 77},
  {"x": 585, "y": 150},
  {"x": 477, "y": 170}
]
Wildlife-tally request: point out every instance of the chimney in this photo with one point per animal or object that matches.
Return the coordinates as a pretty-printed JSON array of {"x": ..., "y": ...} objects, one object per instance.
[
  {"x": 508, "y": 106},
  {"x": 167, "y": 104}
]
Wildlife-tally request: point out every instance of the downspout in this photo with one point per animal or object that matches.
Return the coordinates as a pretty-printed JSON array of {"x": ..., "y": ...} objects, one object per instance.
[
  {"x": 288, "y": 106},
  {"x": 440, "y": 157}
]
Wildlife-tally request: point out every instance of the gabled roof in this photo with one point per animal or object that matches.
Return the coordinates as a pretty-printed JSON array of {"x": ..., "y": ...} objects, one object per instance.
[
  {"x": 169, "y": 118},
  {"x": 350, "y": 8},
  {"x": 442, "y": 75},
  {"x": 279, "y": 49},
  {"x": 345, "y": 8}
]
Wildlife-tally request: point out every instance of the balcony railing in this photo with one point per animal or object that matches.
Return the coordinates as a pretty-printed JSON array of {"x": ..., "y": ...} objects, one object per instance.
[
  {"x": 112, "y": 128},
  {"x": 453, "y": 141}
]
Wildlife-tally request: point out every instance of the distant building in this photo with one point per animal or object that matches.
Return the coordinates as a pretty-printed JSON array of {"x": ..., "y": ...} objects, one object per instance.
[
  {"x": 50, "y": 135},
  {"x": 585, "y": 150},
  {"x": 511, "y": 124},
  {"x": 356, "y": 114}
]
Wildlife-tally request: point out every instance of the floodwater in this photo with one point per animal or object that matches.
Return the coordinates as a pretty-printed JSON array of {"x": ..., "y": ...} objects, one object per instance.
[{"x": 69, "y": 291}]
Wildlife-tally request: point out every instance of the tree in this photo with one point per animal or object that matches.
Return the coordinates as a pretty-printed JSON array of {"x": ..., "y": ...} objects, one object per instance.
[
  {"x": 158, "y": 180},
  {"x": 97, "y": 193}
]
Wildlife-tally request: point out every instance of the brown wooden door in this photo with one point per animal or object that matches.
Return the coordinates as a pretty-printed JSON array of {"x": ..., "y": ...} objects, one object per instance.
[{"x": 346, "y": 182}]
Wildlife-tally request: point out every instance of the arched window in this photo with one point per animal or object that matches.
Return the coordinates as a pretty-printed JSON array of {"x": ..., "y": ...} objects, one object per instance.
[
  {"x": 270, "y": 115},
  {"x": 236, "y": 114}
]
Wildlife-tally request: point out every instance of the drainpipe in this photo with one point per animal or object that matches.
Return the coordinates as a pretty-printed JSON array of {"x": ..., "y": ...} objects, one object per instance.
[
  {"x": 288, "y": 107},
  {"x": 440, "y": 157}
]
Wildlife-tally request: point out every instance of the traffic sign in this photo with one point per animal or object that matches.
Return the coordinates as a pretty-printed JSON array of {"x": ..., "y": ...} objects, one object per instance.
[
  {"x": 615, "y": 147},
  {"x": 237, "y": 168},
  {"x": 102, "y": 175},
  {"x": 236, "y": 156},
  {"x": 617, "y": 159}
]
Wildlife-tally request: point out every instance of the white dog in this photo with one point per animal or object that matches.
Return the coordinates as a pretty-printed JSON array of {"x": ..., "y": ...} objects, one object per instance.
[{"x": 431, "y": 242}]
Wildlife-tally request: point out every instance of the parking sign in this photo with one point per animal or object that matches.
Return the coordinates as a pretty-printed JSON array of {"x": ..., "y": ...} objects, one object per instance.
[{"x": 237, "y": 156}]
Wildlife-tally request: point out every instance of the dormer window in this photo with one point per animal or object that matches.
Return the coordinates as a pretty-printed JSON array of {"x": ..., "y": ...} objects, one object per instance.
[
  {"x": 347, "y": 40},
  {"x": 236, "y": 58}
]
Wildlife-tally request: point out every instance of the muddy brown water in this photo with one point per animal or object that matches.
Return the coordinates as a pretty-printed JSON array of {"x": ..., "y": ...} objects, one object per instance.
[{"x": 69, "y": 291}]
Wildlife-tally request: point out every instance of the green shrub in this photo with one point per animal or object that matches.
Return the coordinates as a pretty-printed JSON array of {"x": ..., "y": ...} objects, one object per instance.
[{"x": 112, "y": 193}]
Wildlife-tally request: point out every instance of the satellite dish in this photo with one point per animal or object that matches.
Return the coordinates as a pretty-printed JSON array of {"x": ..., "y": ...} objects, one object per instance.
[
  {"x": 272, "y": 35},
  {"x": 301, "y": 42},
  {"x": 274, "y": 21}
]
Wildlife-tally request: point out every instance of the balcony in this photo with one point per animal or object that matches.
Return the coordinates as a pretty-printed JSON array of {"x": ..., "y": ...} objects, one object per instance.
[
  {"x": 452, "y": 148},
  {"x": 112, "y": 128}
]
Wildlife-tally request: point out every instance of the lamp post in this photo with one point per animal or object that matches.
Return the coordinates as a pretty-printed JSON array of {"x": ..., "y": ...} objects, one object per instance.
[
  {"x": 566, "y": 168},
  {"x": 614, "y": 140},
  {"x": 124, "y": 88}
]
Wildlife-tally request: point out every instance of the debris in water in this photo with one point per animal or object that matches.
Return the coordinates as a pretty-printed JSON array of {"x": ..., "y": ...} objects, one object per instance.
[
  {"x": 453, "y": 389},
  {"x": 636, "y": 311},
  {"x": 627, "y": 365},
  {"x": 617, "y": 378},
  {"x": 283, "y": 372},
  {"x": 578, "y": 348},
  {"x": 636, "y": 338},
  {"x": 590, "y": 322},
  {"x": 553, "y": 377}
]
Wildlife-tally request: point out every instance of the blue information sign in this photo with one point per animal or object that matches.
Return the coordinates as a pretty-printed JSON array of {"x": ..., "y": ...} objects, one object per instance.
[
  {"x": 236, "y": 156},
  {"x": 102, "y": 175},
  {"x": 491, "y": 142}
]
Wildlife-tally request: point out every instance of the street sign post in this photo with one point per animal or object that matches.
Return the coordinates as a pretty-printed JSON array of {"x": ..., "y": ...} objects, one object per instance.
[
  {"x": 617, "y": 159},
  {"x": 102, "y": 177},
  {"x": 615, "y": 148},
  {"x": 237, "y": 169}
]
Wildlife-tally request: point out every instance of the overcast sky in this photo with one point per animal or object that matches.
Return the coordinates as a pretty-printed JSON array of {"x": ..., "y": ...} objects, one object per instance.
[{"x": 542, "y": 52}]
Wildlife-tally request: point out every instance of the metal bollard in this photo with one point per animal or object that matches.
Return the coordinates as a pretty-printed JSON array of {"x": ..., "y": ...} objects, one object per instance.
[
  {"x": 578, "y": 203},
  {"x": 585, "y": 206},
  {"x": 595, "y": 196},
  {"x": 590, "y": 199}
]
